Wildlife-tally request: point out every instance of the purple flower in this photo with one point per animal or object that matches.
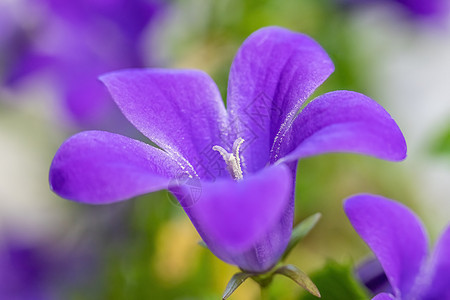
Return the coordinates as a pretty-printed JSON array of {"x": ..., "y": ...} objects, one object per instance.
[
  {"x": 15, "y": 46},
  {"x": 75, "y": 42},
  {"x": 422, "y": 9},
  {"x": 371, "y": 274},
  {"x": 41, "y": 270},
  {"x": 25, "y": 272},
  {"x": 244, "y": 157},
  {"x": 398, "y": 239},
  {"x": 426, "y": 8}
]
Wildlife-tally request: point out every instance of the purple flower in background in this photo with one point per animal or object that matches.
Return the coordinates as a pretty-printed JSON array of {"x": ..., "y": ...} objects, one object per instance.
[
  {"x": 429, "y": 9},
  {"x": 15, "y": 45},
  {"x": 75, "y": 42},
  {"x": 426, "y": 8},
  {"x": 25, "y": 273},
  {"x": 39, "y": 270},
  {"x": 244, "y": 156},
  {"x": 398, "y": 239}
]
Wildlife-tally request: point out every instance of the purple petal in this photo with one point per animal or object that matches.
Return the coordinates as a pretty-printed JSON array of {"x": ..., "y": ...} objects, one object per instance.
[
  {"x": 371, "y": 274},
  {"x": 344, "y": 121},
  {"x": 233, "y": 217},
  {"x": 427, "y": 8},
  {"x": 130, "y": 16},
  {"x": 179, "y": 110},
  {"x": 79, "y": 93},
  {"x": 383, "y": 296},
  {"x": 273, "y": 73},
  {"x": 395, "y": 235},
  {"x": 439, "y": 284},
  {"x": 433, "y": 10},
  {"x": 23, "y": 63},
  {"x": 99, "y": 167}
]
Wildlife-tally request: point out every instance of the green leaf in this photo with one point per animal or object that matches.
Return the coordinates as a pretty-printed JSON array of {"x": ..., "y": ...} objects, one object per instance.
[
  {"x": 300, "y": 231},
  {"x": 299, "y": 277},
  {"x": 234, "y": 283},
  {"x": 441, "y": 146},
  {"x": 336, "y": 281}
]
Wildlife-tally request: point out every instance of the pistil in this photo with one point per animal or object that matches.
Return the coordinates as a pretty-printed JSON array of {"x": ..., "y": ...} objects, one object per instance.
[{"x": 232, "y": 160}]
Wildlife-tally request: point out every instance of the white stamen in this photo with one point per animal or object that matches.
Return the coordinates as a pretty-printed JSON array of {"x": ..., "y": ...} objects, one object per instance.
[{"x": 232, "y": 160}]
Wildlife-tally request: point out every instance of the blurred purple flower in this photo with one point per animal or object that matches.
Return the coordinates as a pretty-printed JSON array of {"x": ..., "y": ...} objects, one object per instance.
[
  {"x": 75, "y": 42},
  {"x": 246, "y": 221},
  {"x": 24, "y": 273},
  {"x": 422, "y": 9},
  {"x": 398, "y": 239},
  {"x": 38, "y": 270},
  {"x": 426, "y": 8}
]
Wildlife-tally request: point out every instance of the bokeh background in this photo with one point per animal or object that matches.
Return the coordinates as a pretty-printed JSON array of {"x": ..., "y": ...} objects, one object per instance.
[{"x": 51, "y": 52}]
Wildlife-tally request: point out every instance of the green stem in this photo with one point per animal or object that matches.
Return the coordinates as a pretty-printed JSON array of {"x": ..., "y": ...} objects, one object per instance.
[
  {"x": 264, "y": 281},
  {"x": 265, "y": 294}
]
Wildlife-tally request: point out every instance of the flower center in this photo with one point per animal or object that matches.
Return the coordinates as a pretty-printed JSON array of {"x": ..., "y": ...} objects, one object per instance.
[{"x": 232, "y": 159}]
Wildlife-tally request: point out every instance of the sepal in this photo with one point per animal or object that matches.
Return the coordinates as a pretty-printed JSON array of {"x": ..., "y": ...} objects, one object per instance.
[
  {"x": 337, "y": 281},
  {"x": 265, "y": 279},
  {"x": 299, "y": 277},
  {"x": 300, "y": 231},
  {"x": 234, "y": 283}
]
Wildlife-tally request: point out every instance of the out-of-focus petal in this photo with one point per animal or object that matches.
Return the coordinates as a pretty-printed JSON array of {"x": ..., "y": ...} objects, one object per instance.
[
  {"x": 130, "y": 16},
  {"x": 179, "y": 110},
  {"x": 433, "y": 9},
  {"x": 344, "y": 121},
  {"x": 19, "y": 66},
  {"x": 273, "y": 73},
  {"x": 383, "y": 296},
  {"x": 395, "y": 235},
  {"x": 371, "y": 274},
  {"x": 233, "y": 216},
  {"x": 439, "y": 281},
  {"x": 99, "y": 167}
]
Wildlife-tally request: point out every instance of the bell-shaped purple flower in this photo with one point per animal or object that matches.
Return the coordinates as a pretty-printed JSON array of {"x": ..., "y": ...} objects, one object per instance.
[
  {"x": 399, "y": 241},
  {"x": 243, "y": 158}
]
